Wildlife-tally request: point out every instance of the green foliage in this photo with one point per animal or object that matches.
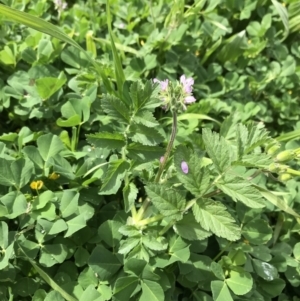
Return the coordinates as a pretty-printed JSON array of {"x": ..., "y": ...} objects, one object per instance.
[{"x": 89, "y": 208}]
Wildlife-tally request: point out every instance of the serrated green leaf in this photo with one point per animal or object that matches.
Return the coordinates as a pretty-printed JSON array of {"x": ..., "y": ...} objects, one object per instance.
[
  {"x": 113, "y": 107},
  {"x": 213, "y": 216},
  {"x": 240, "y": 282},
  {"x": 167, "y": 201},
  {"x": 145, "y": 135},
  {"x": 106, "y": 140},
  {"x": 145, "y": 118},
  {"x": 257, "y": 136},
  {"x": 129, "y": 194},
  {"x": 197, "y": 180},
  {"x": 144, "y": 153},
  {"x": 128, "y": 244},
  {"x": 188, "y": 228},
  {"x": 242, "y": 191},
  {"x": 140, "y": 95},
  {"x": 114, "y": 176},
  {"x": 255, "y": 160},
  {"x": 151, "y": 291},
  {"x": 217, "y": 149}
]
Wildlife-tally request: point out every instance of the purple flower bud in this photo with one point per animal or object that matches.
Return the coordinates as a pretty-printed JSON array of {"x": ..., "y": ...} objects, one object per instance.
[
  {"x": 161, "y": 160},
  {"x": 184, "y": 167}
]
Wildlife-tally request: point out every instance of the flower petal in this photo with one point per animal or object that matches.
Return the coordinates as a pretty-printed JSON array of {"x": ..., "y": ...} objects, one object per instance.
[
  {"x": 184, "y": 167},
  {"x": 189, "y": 99}
]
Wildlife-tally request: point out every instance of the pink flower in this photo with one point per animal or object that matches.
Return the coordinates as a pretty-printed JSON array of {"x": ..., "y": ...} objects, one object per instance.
[
  {"x": 163, "y": 83},
  {"x": 187, "y": 83},
  {"x": 189, "y": 99},
  {"x": 161, "y": 160},
  {"x": 184, "y": 167}
]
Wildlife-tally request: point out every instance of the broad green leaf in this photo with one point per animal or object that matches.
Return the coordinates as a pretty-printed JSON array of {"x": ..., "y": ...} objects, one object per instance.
[
  {"x": 53, "y": 254},
  {"x": 47, "y": 86},
  {"x": 114, "y": 176},
  {"x": 272, "y": 288},
  {"x": 217, "y": 269},
  {"x": 237, "y": 257},
  {"x": 124, "y": 287},
  {"x": 68, "y": 203},
  {"x": 49, "y": 145},
  {"x": 151, "y": 291},
  {"x": 108, "y": 231},
  {"x": 257, "y": 232},
  {"x": 70, "y": 122},
  {"x": 220, "y": 291},
  {"x": 242, "y": 191},
  {"x": 15, "y": 204},
  {"x": 91, "y": 293},
  {"x": 130, "y": 193},
  {"x": 189, "y": 116},
  {"x": 75, "y": 224},
  {"x": 26, "y": 287},
  {"x": 188, "y": 228},
  {"x": 167, "y": 201},
  {"x": 240, "y": 282},
  {"x": 77, "y": 107},
  {"x": 296, "y": 251},
  {"x": 106, "y": 140},
  {"x": 42, "y": 200},
  {"x": 178, "y": 249},
  {"x": 7, "y": 255},
  {"x": 217, "y": 149},
  {"x": 265, "y": 270},
  {"x": 144, "y": 153},
  {"x": 58, "y": 226},
  {"x": 34, "y": 155},
  {"x": 54, "y": 296},
  {"x": 104, "y": 263},
  {"x": 213, "y": 216}
]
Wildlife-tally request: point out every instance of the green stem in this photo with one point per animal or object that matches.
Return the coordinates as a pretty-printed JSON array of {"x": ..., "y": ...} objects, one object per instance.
[
  {"x": 150, "y": 220},
  {"x": 147, "y": 202},
  {"x": 222, "y": 251}
]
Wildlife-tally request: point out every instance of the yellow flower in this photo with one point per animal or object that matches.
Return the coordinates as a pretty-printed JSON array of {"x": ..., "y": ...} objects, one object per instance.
[{"x": 36, "y": 185}]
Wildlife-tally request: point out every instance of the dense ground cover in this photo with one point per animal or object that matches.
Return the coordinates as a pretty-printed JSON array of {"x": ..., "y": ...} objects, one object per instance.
[{"x": 115, "y": 186}]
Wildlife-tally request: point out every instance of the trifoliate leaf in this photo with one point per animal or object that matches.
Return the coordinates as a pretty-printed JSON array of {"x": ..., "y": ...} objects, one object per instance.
[
  {"x": 167, "y": 201},
  {"x": 217, "y": 149},
  {"x": 213, "y": 216}
]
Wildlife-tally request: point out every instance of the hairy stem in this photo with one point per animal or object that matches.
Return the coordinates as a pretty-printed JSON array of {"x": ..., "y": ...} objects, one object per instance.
[{"x": 162, "y": 164}]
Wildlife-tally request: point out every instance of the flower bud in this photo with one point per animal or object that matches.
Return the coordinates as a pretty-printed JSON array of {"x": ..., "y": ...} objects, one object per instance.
[
  {"x": 284, "y": 177},
  {"x": 271, "y": 150},
  {"x": 275, "y": 167},
  {"x": 285, "y": 156}
]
